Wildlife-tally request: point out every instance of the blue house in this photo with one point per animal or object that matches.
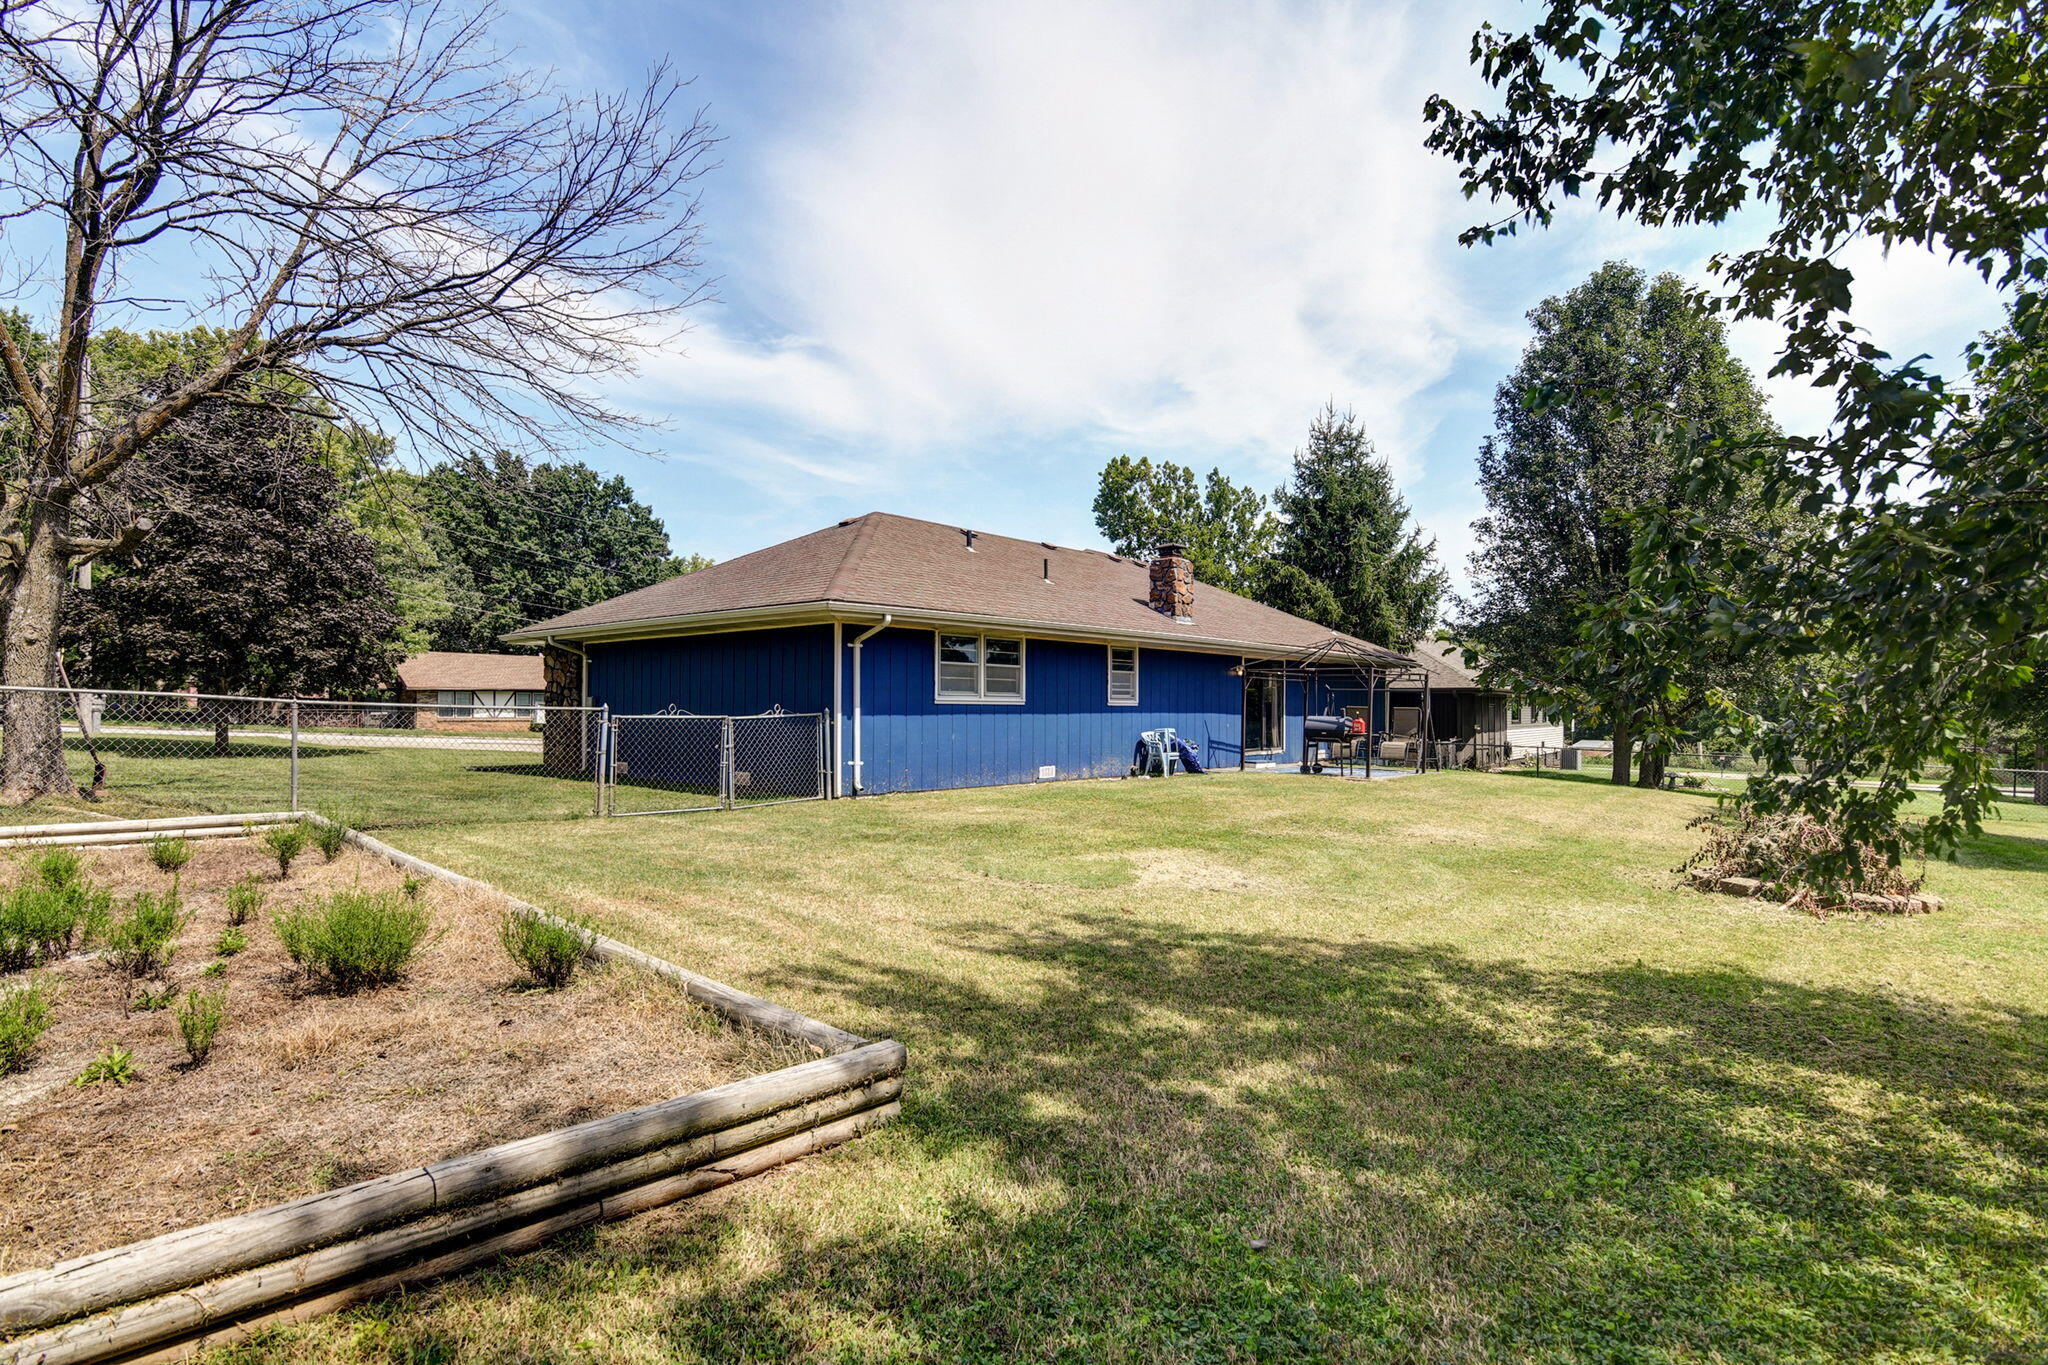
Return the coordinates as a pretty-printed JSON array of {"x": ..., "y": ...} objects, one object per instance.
[{"x": 943, "y": 657}]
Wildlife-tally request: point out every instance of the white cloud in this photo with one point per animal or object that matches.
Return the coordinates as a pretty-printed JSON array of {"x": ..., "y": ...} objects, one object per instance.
[
  {"x": 1169, "y": 228},
  {"x": 1910, "y": 301}
]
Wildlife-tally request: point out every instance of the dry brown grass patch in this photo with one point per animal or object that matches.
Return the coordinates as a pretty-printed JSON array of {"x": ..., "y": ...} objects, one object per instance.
[{"x": 306, "y": 1091}]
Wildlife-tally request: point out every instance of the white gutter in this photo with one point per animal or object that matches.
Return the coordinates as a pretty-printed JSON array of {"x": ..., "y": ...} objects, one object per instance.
[
  {"x": 858, "y": 641},
  {"x": 825, "y": 611}
]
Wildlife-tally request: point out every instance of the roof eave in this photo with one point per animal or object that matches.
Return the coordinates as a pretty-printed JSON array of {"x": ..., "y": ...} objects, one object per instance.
[{"x": 807, "y": 613}]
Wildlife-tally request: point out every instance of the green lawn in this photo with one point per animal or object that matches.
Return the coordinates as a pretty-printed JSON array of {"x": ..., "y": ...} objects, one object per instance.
[
  {"x": 371, "y": 786},
  {"x": 1266, "y": 1068}
]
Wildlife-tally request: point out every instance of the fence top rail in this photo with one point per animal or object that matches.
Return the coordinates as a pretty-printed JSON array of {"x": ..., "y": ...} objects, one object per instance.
[
  {"x": 358, "y": 704},
  {"x": 691, "y": 715}
]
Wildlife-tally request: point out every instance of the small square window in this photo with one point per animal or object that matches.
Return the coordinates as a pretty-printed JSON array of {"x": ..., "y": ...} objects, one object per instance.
[{"x": 1123, "y": 676}]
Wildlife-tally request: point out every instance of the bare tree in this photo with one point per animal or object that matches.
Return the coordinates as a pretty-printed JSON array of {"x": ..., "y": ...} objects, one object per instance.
[{"x": 365, "y": 193}]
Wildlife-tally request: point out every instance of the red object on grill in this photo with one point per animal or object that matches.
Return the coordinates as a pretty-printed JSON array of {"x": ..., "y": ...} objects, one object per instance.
[{"x": 1358, "y": 725}]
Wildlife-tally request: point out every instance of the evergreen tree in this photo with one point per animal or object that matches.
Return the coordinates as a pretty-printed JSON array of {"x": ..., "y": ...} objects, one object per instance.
[
  {"x": 1226, "y": 528},
  {"x": 1346, "y": 527}
]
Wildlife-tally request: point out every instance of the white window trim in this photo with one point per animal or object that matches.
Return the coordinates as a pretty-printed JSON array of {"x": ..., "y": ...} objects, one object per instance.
[
  {"x": 1109, "y": 684},
  {"x": 981, "y": 698}
]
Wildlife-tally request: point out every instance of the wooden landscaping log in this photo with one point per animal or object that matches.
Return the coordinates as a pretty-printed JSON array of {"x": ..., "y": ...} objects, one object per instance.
[
  {"x": 715, "y": 995},
  {"x": 189, "y": 1256},
  {"x": 120, "y": 840},
  {"x": 365, "y": 1266},
  {"x": 168, "y": 823}
]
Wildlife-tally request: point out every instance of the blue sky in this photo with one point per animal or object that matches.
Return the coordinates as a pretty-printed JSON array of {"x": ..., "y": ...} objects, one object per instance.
[{"x": 966, "y": 252}]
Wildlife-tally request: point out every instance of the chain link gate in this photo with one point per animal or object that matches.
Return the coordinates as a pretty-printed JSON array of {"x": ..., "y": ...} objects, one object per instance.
[{"x": 669, "y": 763}]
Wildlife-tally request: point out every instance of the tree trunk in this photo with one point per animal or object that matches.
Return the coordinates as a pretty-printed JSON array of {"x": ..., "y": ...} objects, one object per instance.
[
  {"x": 32, "y": 741},
  {"x": 1624, "y": 750},
  {"x": 1651, "y": 769}
]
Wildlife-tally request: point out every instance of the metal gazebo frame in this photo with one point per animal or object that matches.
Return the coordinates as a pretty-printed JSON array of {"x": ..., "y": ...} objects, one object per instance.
[{"x": 1364, "y": 667}]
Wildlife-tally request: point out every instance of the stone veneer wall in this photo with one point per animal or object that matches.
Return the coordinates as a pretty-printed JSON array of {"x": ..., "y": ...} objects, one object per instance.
[{"x": 569, "y": 737}]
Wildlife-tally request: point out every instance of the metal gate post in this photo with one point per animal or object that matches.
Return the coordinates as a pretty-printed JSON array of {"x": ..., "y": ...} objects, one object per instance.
[
  {"x": 726, "y": 785},
  {"x": 295, "y": 755},
  {"x": 600, "y": 759},
  {"x": 824, "y": 761}
]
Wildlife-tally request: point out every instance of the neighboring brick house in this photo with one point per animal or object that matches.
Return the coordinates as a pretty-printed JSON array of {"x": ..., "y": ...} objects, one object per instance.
[{"x": 473, "y": 691}]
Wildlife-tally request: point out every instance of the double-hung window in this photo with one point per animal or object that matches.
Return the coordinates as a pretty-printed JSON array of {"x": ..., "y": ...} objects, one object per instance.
[
  {"x": 980, "y": 668},
  {"x": 1123, "y": 676}
]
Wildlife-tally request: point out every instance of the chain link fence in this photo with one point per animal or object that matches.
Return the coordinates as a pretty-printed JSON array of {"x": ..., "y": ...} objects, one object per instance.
[
  {"x": 381, "y": 764},
  {"x": 370, "y": 763},
  {"x": 672, "y": 762}
]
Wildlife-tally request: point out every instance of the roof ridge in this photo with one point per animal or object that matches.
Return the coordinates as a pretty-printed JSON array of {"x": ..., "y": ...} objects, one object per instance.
[{"x": 856, "y": 549}]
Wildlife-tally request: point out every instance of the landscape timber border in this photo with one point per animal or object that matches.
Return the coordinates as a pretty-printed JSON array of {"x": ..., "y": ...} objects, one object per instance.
[{"x": 170, "y": 1296}]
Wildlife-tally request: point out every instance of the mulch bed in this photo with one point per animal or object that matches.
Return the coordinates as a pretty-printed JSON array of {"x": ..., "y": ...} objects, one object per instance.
[{"x": 306, "y": 1091}]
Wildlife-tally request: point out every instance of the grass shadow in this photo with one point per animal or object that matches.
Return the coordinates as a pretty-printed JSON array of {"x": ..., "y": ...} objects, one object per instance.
[{"x": 1189, "y": 1145}]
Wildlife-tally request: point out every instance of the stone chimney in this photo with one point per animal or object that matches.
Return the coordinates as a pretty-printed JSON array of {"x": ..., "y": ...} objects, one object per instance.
[{"x": 1173, "y": 583}]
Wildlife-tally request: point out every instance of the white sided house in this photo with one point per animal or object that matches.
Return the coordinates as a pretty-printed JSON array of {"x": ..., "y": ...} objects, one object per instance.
[
  {"x": 1503, "y": 724},
  {"x": 472, "y": 691}
]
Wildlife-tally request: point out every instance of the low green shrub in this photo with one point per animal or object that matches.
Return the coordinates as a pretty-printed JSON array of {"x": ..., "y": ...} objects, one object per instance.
[
  {"x": 59, "y": 867},
  {"x": 142, "y": 942},
  {"x": 244, "y": 899},
  {"x": 199, "y": 1019},
  {"x": 115, "y": 1066},
  {"x": 214, "y": 968},
  {"x": 150, "y": 1001},
  {"x": 549, "y": 951},
  {"x": 413, "y": 886},
  {"x": 232, "y": 940},
  {"x": 286, "y": 843},
  {"x": 169, "y": 852},
  {"x": 24, "y": 1016},
  {"x": 330, "y": 837},
  {"x": 43, "y": 918},
  {"x": 353, "y": 939}
]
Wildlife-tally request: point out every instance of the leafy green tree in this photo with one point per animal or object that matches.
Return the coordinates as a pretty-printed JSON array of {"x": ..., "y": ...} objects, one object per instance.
[
  {"x": 1915, "y": 616},
  {"x": 253, "y": 578},
  {"x": 1625, "y": 377},
  {"x": 678, "y": 565},
  {"x": 531, "y": 541},
  {"x": 1226, "y": 528},
  {"x": 1346, "y": 527},
  {"x": 383, "y": 502}
]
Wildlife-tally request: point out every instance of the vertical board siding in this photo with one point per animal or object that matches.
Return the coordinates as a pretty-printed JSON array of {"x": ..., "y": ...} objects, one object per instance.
[
  {"x": 910, "y": 741},
  {"x": 742, "y": 673}
]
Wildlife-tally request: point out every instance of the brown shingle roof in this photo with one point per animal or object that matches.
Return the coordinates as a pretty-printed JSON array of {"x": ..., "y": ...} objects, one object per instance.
[
  {"x": 1445, "y": 664},
  {"x": 901, "y": 564},
  {"x": 437, "y": 669}
]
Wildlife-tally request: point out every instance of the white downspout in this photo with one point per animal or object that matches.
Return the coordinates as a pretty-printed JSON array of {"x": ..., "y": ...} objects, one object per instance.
[
  {"x": 838, "y": 711},
  {"x": 858, "y": 784}
]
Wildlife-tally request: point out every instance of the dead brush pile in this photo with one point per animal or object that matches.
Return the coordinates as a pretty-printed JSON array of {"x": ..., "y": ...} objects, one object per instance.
[{"x": 1777, "y": 856}]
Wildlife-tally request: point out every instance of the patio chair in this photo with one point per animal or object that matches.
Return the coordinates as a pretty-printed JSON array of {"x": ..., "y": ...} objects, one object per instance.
[{"x": 1161, "y": 754}]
